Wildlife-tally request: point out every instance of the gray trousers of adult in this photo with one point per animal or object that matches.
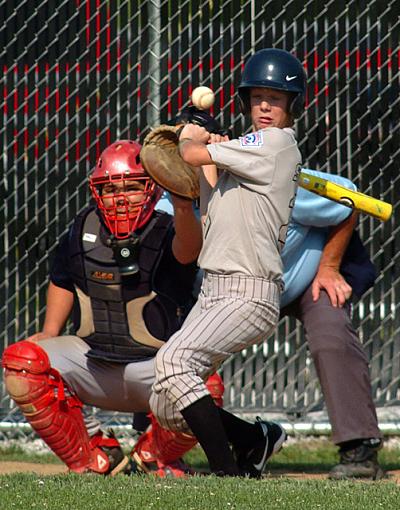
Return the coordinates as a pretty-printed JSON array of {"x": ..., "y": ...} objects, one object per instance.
[
  {"x": 103, "y": 384},
  {"x": 231, "y": 313},
  {"x": 341, "y": 365}
]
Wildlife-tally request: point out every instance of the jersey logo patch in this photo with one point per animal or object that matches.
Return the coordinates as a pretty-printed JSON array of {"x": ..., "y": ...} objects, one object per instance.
[{"x": 251, "y": 140}]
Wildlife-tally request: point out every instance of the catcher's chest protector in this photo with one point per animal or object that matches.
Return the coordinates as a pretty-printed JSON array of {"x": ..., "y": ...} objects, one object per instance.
[
  {"x": 115, "y": 334},
  {"x": 57, "y": 418}
]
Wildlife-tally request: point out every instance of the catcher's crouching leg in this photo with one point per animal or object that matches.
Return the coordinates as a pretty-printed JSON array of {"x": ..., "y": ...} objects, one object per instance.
[
  {"x": 56, "y": 417},
  {"x": 159, "y": 451}
]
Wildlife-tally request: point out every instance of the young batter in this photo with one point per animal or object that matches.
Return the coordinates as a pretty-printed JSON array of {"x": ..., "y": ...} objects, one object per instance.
[{"x": 238, "y": 305}]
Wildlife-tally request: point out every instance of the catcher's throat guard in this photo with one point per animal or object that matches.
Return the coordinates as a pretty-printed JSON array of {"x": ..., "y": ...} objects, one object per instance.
[
  {"x": 162, "y": 161},
  {"x": 126, "y": 254}
]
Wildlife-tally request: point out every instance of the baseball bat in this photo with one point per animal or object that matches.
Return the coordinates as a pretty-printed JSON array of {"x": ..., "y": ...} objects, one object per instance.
[{"x": 353, "y": 199}]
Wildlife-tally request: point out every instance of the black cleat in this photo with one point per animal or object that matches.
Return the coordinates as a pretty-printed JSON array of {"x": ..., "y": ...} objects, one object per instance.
[
  {"x": 252, "y": 461},
  {"x": 359, "y": 462}
]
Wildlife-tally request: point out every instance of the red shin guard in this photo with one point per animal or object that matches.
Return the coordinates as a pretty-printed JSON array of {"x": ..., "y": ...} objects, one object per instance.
[
  {"x": 215, "y": 386},
  {"x": 57, "y": 418},
  {"x": 163, "y": 445}
]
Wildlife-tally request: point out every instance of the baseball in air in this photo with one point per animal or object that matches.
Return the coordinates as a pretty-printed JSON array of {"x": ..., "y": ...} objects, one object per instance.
[{"x": 203, "y": 98}]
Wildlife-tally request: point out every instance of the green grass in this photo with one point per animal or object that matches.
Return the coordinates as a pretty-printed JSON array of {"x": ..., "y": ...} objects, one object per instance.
[
  {"x": 74, "y": 492},
  {"x": 311, "y": 456},
  {"x": 91, "y": 492},
  {"x": 18, "y": 453}
]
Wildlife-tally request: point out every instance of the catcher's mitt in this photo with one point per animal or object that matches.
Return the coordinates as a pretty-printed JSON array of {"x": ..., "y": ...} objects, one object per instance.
[{"x": 161, "y": 159}]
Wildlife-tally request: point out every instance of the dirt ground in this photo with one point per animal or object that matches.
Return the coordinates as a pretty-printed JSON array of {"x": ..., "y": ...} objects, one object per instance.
[{"x": 10, "y": 467}]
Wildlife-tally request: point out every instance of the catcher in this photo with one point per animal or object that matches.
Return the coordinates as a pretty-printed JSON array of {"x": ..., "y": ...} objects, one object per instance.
[{"x": 125, "y": 272}]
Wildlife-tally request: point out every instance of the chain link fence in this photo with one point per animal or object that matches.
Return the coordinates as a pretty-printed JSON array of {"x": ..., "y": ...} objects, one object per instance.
[{"x": 78, "y": 74}]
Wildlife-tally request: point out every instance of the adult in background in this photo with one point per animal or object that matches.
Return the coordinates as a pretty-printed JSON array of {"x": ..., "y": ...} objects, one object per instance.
[{"x": 325, "y": 264}]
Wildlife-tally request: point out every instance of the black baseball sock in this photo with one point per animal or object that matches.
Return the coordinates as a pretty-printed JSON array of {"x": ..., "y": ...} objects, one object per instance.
[
  {"x": 240, "y": 433},
  {"x": 204, "y": 420},
  {"x": 349, "y": 445}
]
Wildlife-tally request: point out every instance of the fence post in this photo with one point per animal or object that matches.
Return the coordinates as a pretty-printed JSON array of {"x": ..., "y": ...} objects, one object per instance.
[{"x": 154, "y": 103}]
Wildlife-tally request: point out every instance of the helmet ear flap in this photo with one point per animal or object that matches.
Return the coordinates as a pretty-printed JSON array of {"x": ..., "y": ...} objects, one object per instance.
[
  {"x": 297, "y": 106},
  {"x": 244, "y": 101}
]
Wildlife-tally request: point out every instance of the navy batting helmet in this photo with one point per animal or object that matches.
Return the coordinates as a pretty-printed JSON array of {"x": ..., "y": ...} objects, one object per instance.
[{"x": 275, "y": 69}]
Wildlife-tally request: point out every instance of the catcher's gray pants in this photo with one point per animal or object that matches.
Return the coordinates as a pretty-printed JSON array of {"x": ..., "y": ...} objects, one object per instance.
[
  {"x": 232, "y": 313},
  {"x": 341, "y": 365},
  {"x": 103, "y": 384}
]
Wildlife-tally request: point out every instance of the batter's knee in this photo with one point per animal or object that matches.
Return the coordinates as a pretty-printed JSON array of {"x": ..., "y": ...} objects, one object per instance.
[
  {"x": 167, "y": 360},
  {"x": 179, "y": 362},
  {"x": 166, "y": 413}
]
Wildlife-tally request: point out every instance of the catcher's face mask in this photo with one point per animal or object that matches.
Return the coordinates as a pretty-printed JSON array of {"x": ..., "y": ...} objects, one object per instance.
[{"x": 124, "y": 194}]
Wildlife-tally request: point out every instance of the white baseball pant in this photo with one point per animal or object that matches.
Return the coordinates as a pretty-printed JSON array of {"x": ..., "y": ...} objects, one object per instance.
[{"x": 231, "y": 313}]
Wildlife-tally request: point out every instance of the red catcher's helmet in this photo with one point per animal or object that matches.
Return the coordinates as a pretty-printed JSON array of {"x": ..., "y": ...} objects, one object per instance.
[{"x": 123, "y": 206}]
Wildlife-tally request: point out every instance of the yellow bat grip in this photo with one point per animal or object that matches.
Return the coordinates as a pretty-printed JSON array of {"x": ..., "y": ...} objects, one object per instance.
[{"x": 353, "y": 199}]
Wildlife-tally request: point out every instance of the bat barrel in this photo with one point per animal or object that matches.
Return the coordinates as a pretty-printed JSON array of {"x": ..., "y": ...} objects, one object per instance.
[{"x": 353, "y": 199}]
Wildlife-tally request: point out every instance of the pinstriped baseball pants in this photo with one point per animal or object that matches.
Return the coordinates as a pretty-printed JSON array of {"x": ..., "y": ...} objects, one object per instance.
[{"x": 232, "y": 313}]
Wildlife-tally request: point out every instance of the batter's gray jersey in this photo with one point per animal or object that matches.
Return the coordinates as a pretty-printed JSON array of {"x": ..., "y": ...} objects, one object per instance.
[
  {"x": 238, "y": 305},
  {"x": 249, "y": 209}
]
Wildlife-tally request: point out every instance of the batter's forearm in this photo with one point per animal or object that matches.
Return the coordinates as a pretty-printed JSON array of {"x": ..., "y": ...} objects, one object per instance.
[
  {"x": 192, "y": 146},
  {"x": 194, "y": 153}
]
